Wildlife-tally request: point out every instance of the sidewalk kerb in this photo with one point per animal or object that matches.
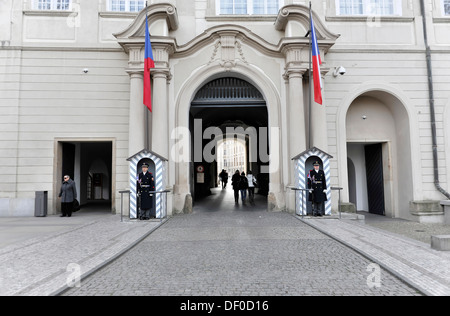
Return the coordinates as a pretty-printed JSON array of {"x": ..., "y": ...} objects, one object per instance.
[
  {"x": 111, "y": 259},
  {"x": 369, "y": 257}
]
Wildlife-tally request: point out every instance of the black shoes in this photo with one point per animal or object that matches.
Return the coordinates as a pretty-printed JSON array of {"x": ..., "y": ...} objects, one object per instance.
[{"x": 146, "y": 218}]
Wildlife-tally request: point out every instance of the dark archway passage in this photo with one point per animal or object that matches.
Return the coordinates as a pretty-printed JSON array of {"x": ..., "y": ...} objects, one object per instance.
[
  {"x": 223, "y": 109},
  {"x": 89, "y": 163}
]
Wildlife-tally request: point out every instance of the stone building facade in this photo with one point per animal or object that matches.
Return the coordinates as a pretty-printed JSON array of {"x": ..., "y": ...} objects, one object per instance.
[{"x": 71, "y": 84}]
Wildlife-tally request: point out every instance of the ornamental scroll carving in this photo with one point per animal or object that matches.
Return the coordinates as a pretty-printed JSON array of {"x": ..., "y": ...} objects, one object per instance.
[{"x": 229, "y": 46}]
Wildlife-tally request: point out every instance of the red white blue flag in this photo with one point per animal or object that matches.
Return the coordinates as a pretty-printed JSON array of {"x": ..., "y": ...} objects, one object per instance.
[
  {"x": 317, "y": 61},
  {"x": 148, "y": 64}
]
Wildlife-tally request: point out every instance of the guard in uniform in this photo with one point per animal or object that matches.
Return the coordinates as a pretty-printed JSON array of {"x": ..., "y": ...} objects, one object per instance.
[
  {"x": 145, "y": 184},
  {"x": 317, "y": 186}
]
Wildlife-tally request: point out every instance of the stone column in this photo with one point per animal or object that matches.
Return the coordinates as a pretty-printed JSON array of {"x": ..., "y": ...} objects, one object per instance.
[
  {"x": 296, "y": 113},
  {"x": 319, "y": 136},
  {"x": 160, "y": 123},
  {"x": 136, "y": 137},
  {"x": 296, "y": 54},
  {"x": 297, "y": 129}
]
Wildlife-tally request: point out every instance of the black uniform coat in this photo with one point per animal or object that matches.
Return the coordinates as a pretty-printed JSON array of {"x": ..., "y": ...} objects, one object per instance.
[
  {"x": 318, "y": 183},
  {"x": 235, "y": 180},
  {"x": 144, "y": 185}
]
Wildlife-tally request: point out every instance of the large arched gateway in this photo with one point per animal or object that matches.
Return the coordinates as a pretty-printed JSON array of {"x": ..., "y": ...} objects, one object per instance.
[
  {"x": 225, "y": 109},
  {"x": 232, "y": 57},
  {"x": 268, "y": 104}
]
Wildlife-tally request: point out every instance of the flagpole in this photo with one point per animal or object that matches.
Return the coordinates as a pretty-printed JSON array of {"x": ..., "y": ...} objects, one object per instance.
[
  {"x": 310, "y": 78},
  {"x": 147, "y": 123}
]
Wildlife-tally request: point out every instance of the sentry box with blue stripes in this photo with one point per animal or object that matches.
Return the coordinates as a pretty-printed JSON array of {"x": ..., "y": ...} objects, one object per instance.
[
  {"x": 157, "y": 166},
  {"x": 303, "y": 164}
]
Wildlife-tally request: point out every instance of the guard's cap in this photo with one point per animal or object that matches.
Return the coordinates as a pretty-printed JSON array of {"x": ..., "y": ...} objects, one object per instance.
[
  {"x": 145, "y": 165},
  {"x": 316, "y": 163}
]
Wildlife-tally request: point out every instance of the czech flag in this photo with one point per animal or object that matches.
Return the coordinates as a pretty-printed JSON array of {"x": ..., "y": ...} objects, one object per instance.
[
  {"x": 148, "y": 64},
  {"x": 317, "y": 61}
]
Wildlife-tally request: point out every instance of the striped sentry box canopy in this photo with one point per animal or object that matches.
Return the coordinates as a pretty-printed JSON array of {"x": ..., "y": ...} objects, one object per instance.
[
  {"x": 160, "y": 180},
  {"x": 301, "y": 174}
]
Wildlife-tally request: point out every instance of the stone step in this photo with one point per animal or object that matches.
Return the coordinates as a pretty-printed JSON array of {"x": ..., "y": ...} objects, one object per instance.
[{"x": 440, "y": 242}]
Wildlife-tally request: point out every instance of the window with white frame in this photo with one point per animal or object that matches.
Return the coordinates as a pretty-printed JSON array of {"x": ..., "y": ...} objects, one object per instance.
[
  {"x": 446, "y": 7},
  {"x": 248, "y": 7},
  {"x": 126, "y": 5},
  {"x": 59, "y": 5},
  {"x": 369, "y": 7}
]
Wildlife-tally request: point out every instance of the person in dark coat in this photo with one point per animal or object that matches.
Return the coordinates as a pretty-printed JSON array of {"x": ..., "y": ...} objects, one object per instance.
[
  {"x": 145, "y": 184},
  {"x": 68, "y": 194},
  {"x": 243, "y": 186},
  {"x": 317, "y": 186},
  {"x": 224, "y": 178},
  {"x": 235, "y": 182}
]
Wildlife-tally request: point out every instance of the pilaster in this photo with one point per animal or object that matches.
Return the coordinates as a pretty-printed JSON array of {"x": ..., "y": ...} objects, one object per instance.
[
  {"x": 160, "y": 123},
  {"x": 136, "y": 136}
]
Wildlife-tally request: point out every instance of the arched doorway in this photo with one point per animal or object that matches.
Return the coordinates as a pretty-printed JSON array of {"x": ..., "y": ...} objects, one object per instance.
[
  {"x": 227, "y": 110},
  {"x": 182, "y": 143},
  {"x": 379, "y": 145}
]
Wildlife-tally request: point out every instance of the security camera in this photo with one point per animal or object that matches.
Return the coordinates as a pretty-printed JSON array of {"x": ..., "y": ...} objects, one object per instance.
[
  {"x": 339, "y": 71},
  {"x": 85, "y": 70}
]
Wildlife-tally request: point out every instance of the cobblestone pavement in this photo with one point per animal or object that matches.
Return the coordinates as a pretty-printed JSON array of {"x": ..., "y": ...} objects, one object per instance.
[
  {"x": 39, "y": 256},
  {"x": 413, "y": 261},
  {"x": 239, "y": 251}
]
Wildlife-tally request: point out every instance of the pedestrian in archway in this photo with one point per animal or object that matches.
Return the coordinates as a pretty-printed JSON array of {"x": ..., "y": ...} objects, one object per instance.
[
  {"x": 243, "y": 186},
  {"x": 224, "y": 178},
  {"x": 235, "y": 181},
  {"x": 68, "y": 194},
  {"x": 251, "y": 180}
]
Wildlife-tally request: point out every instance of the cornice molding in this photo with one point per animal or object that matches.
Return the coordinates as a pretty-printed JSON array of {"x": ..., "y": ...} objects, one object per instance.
[
  {"x": 240, "y": 18},
  {"x": 365, "y": 18},
  {"x": 53, "y": 13},
  {"x": 228, "y": 40},
  {"x": 117, "y": 15},
  {"x": 223, "y": 33}
]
